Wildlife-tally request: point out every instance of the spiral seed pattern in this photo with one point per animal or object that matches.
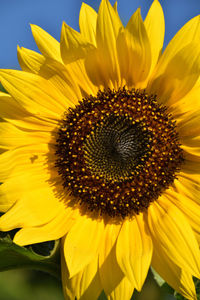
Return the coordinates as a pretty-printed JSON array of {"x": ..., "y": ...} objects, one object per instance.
[{"x": 117, "y": 152}]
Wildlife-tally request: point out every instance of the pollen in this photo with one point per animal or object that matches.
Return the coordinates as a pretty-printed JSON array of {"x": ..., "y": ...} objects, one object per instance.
[{"x": 117, "y": 152}]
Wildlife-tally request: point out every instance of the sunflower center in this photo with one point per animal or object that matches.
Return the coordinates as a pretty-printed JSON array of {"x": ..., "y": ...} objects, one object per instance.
[
  {"x": 115, "y": 147},
  {"x": 117, "y": 152}
]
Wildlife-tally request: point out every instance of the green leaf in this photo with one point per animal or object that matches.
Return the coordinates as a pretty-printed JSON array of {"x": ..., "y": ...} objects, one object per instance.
[{"x": 13, "y": 256}]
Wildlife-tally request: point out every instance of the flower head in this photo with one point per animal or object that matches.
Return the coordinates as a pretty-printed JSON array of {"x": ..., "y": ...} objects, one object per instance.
[{"x": 100, "y": 143}]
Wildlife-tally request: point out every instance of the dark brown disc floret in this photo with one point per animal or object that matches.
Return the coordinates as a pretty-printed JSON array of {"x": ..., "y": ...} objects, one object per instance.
[{"x": 117, "y": 152}]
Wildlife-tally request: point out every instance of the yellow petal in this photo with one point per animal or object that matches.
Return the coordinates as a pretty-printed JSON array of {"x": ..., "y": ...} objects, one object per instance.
[
  {"x": 63, "y": 79},
  {"x": 188, "y": 185},
  {"x": 155, "y": 28},
  {"x": 189, "y": 208},
  {"x": 5, "y": 202},
  {"x": 31, "y": 123},
  {"x": 10, "y": 108},
  {"x": 17, "y": 183},
  {"x": 124, "y": 291},
  {"x": 9, "y": 191},
  {"x": 192, "y": 142},
  {"x": 115, "y": 6},
  {"x": 71, "y": 79},
  {"x": 190, "y": 32},
  {"x": 191, "y": 149},
  {"x": 185, "y": 109},
  {"x": 46, "y": 43},
  {"x": 15, "y": 114},
  {"x": 110, "y": 272},
  {"x": 134, "y": 251},
  {"x": 15, "y": 161},
  {"x": 67, "y": 290},
  {"x": 108, "y": 26},
  {"x": 87, "y": 23},
  {"x": 73, "y": 45},
  {"x": 53, "y": 71},
  {"x": 53, "y": 230},
  {"x": 178, "y": 279},
  {"x": 179, "y": 75},
  {"x": 173, "y": 235},
  {"x": 139, "y": 47},
  {"x": 191, "y": 170},
  {"x": 97, "y": 70},
  {"x": 82, "y": 243},
  {"x": 12, "y": 137},
  {"x": 5, "y": 205},
  {"x": 85, "y": 285},
  {"x": 34, "y": 93},
  {"x": 189, "y": 127},
  {"x": 116, "y": 11},
  {"x": 30, "y": 61},
  {"x": 30, "y": 211},
  {"x": 134, "y": 51},
  {"x": 78, "y": 73},
  {"x": 192, "y": 153}
]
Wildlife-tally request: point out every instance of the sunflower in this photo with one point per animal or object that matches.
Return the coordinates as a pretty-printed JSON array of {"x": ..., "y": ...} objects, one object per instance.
[{"x": 100, "y": 146}]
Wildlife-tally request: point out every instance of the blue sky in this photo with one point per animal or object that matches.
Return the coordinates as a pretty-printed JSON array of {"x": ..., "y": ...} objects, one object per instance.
[{"x": 16, "y": 15}]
